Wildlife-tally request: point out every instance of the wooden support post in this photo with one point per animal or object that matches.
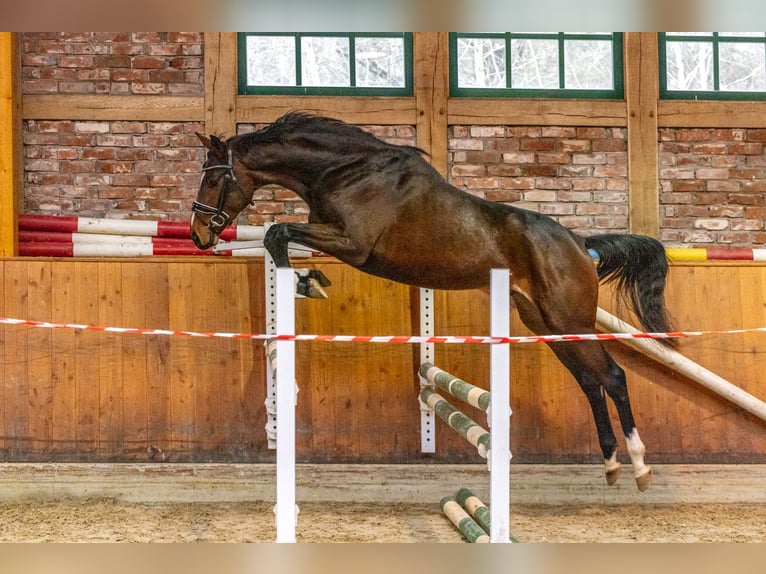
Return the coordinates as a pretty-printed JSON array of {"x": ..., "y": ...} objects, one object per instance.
[
  {"x": 10, "y": 143},
  {"x": 431, "y": 78},
  {"x": 220, "y": 83},
  {"x": 642, "y": 95}
]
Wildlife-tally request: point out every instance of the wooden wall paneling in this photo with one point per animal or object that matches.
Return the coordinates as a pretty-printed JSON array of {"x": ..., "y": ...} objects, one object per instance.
[
  {"x": 138, "y": 304},
  {"x": 182, "y": 358},
  {"x": 111, "y": 383},
  {"x": 431, "y": 79},
  {"x": 206, "y": 308},
  {"x": 87, "y": 359},
  {"x": 11, "y": 161},
  {"x": 40, "y": 358},
  {"x": 253, "y": 365},
  {"x": 231, "y": 288},
  {"x": 220, "y": 83},
  {"x": 357, "y": 400},
  {"x": 211, "y": 311},
  {"x": 15, "y": 377},
  {"x": 5, "y": 334},
  {"x": 641, "y": 96},
  {"x": 63, "y": 367},
  {"x": 158, "y": 363}
]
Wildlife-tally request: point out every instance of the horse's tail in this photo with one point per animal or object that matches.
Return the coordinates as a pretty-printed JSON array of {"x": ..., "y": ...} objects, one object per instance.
[{"x": 638, "y": 265}]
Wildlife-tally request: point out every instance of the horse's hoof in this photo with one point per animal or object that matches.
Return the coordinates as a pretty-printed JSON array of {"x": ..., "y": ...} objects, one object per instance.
[
  {"x": 644, "y": 479},
  {"x": 315, "y": 290},
  {"x": 320, "y": 277},
  {"x": 311, "y": 287},
  {"x": 613, "y": 474}
]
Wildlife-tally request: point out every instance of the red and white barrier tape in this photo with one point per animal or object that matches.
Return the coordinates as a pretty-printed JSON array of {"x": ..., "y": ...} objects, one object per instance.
[{"x": 383, "y": 339}]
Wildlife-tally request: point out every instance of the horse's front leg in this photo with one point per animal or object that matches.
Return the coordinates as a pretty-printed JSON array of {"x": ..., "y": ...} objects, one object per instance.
[
  {"x": 325, "y": 237},
  {"x": 275, "y": 241}
]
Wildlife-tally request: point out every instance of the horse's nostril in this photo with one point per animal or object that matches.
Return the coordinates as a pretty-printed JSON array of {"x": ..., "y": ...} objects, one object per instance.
[{"x": 196, "y": 240}]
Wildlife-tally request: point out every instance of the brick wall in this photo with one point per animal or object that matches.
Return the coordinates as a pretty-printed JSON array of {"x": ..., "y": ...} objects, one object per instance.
[
  {"x": 576, "y": 175},
  {"x": 117, "y": 63},
  {"x": 713, "y": 186},
  {"x": 142, "y": 170},
  {"x": 122, "y": 169}
]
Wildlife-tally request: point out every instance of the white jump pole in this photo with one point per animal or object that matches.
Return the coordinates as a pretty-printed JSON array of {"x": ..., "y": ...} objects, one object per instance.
[
  {"x": 676, "y": 361},
  {"x": 500, "y": 410},
  {"x": 285, "y": 510}
]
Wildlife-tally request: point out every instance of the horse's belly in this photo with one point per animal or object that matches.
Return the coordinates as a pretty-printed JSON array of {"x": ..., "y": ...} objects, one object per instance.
[{"x": 432, "y": 275}]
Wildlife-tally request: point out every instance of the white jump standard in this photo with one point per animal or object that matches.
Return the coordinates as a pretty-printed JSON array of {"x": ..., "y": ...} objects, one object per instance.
[{"x": 494, "y": 445}]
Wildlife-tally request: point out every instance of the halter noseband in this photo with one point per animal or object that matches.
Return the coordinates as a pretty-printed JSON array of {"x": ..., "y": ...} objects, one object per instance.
[{"x": 220, "y": 219}]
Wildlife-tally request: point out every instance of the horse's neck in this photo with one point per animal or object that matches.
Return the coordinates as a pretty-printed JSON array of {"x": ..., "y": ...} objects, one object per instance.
[{"x": 299, "y": 169}]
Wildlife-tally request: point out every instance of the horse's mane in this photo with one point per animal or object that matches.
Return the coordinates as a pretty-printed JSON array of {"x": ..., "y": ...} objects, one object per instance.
[{"x": 293, "y": 123}]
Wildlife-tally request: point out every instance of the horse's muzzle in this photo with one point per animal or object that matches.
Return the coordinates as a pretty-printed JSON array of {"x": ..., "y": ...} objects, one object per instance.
[
  {"x": 206, "y": 243},
  {"x": 198, "y": 242}
]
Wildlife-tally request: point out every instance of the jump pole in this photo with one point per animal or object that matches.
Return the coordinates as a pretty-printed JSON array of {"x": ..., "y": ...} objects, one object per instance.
[
  {"x": 500, "y": 411},
  {"x": 676, "y": 361},
  {"x": 285, "y": 510}
]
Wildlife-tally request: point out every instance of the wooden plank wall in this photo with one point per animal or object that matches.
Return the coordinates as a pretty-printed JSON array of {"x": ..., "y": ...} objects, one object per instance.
[{"x": 72, "y": 395}]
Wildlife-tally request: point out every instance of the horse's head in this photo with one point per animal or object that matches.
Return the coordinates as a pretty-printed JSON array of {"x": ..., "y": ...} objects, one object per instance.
[{"x": 221, "y": 196}]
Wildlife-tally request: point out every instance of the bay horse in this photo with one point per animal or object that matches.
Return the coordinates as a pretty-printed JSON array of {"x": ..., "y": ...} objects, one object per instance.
[{"x": 385, "y": 210}]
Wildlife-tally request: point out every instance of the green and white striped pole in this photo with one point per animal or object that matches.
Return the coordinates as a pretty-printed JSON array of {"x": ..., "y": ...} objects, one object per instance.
[
  {"x": 474, "y": 433},
  {"x": 467, "y": 525},
  {"x": 458, "y": 388}
]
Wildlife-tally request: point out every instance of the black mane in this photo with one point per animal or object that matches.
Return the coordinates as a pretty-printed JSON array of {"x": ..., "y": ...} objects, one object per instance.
[{"x": 312, "y": 127}]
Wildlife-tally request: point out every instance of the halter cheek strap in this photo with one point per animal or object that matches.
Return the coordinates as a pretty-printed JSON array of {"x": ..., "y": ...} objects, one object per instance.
[{"x": 219, "y": 218}]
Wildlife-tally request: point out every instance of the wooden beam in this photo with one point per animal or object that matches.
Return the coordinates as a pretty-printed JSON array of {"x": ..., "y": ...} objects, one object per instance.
[
  {"x": 11, "y": 165},
  {"x": 711, "y": 114},
  {"x": 113, "y": 108},
  {"x": 356, "y": 110},
  {"x": 221, "y": 83},
  {"x": 431, "y": 79},
  {"x": 642, "y": 95},
  {"x": 522, "y": 112}
]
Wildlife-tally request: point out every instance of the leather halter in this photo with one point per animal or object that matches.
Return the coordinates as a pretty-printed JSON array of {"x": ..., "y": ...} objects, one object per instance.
[{"x": 219, "y": 218}]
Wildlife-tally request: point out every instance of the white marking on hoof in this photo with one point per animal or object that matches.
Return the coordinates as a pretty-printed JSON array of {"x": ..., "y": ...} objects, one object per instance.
[{"x": 636, "y": 449}]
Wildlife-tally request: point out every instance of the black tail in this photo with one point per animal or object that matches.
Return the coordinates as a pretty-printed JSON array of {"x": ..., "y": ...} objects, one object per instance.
[{"x": 639, "y": 266}]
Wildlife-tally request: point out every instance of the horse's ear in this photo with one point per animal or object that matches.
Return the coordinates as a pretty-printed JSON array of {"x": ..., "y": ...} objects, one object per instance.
[
  {"x": 218, "y": 145},
  {"x": 205, "y": 141},
  {"x": 212, "y": 143}
]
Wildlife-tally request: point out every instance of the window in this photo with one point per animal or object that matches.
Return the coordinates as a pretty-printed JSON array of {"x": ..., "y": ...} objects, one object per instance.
[
  {"x": 325, "y": 63},
  {"x": 546, "y": 65},
  {"x": 713, "y": 65}
]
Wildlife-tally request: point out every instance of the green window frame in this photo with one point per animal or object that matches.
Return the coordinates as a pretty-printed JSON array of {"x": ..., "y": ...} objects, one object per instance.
[
  {"x": 294, "y": 42},
  {"x": 723, "y": 63},
  {"x": 562, "y": 77}
]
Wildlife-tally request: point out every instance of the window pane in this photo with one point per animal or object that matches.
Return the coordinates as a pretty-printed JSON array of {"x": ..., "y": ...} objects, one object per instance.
[
  {"x": 535, "y": 64},
  {"x": 742, "y": 67},
  {"x": 588, "y": 65},
  {"x": 325, "y": 61},
  {"x": 271, "y": 61},
  {"x": 690, "y": 66},
  {"x": 481, "y": 62},
  {"x": 380, "y": 62}
]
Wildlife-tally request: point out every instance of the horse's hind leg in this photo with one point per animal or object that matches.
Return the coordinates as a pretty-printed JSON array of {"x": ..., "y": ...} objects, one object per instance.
[{"x": 596, "y": 372}]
